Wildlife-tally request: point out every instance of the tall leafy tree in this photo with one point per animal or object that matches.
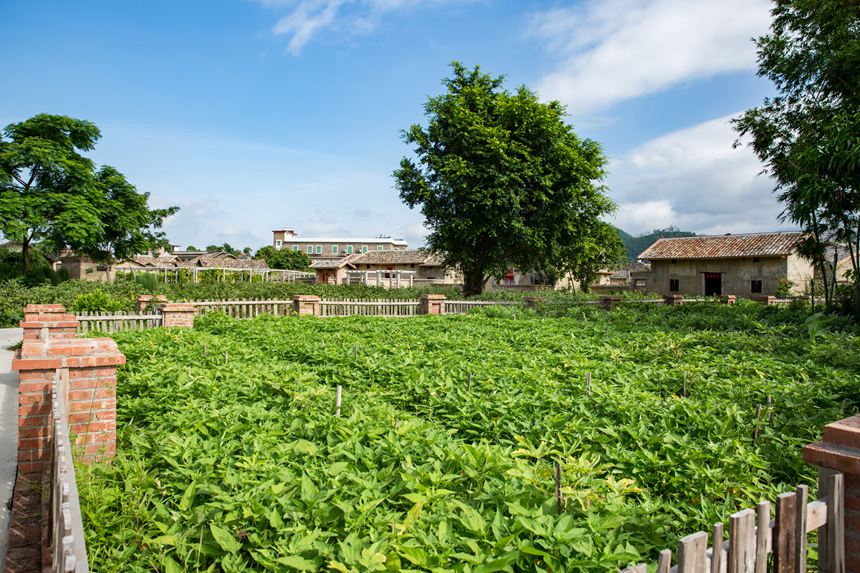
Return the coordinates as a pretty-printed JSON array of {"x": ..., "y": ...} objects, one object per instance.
[
  {"x": 808, "y": 136},
  {"x": 283, "y": 258},
  {"x": 599, "y": 247},
  {"x": 51, "y": 192},
  {"x": 501, "y": 179}
]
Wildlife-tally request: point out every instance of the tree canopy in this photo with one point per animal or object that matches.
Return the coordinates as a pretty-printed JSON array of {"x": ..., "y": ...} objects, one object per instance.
[
  {"x": 283, "y": 258},
  {"x": 808, "y": 136},
  {"x": 502, "y": 181},
  {"x": 51, "y": 192}
]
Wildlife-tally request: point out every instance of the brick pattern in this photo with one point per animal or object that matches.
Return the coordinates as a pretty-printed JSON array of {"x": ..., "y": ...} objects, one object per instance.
[
  {"x": 178, "y": 315},
  {"x": 431, "y": 304},
  {"x": 839, "y": 450},
  {"x": 306, "y": 305},
  {"x": 50, "y": 350}
]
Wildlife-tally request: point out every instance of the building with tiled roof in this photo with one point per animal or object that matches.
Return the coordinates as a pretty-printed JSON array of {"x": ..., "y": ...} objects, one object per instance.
[
  {"x": 391, "y": 268},
  {"x": 745, "y": 265}
]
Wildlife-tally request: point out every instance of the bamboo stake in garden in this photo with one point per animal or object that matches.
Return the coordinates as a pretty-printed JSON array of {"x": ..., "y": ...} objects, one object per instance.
[
  {"x": 469, "y": 383},
  {"x": 559, "y": 501},
  {"x": 338, "y": 399},
  {"x": 588, "y": 383}
]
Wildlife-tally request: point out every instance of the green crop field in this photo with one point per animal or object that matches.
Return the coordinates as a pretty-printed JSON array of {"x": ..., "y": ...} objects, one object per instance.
[{"x": 230, "y": 455}]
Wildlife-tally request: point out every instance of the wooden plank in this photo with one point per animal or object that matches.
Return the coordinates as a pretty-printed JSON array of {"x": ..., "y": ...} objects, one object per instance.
[
  {"x": 802, "y": 495},
  {"x": 816, "y": 515},
  {"x": 784, "y": 535},
  {"x": 835, "y": 523},
  {"x": 691, "y": 553},
  {"x": 664, "y": 562},
  {"x": 742, "y": 542},
  {"x": 763, "y": 536},
  {"x": 717, "y": 552}
]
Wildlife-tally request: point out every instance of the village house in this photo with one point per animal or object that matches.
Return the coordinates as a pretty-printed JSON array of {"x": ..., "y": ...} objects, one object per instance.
[
  {"x": 334, "y": 247},
  {"x": 391, "y": 268},
  {"x": 745, "y": 265}
]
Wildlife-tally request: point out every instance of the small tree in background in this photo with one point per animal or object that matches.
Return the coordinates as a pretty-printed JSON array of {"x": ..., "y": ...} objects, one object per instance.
[
  {"x": 283, "y": 259},
  {"x": 502, "y": 180},
  {"x": 51, "y": 193}
]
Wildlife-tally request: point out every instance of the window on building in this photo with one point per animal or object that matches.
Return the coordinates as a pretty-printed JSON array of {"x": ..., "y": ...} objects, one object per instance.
[
  {"x": 319, "y": 249},
  {"x": 756, "y": 259},
  {"x": 368, "y": 266},
  {"x": 364, "y": 248},
  {"x": 295, "y": 247},
  {"x": 380, "y": 248},
  {"x": 674, "y": 261},
  {"x": 673, "y": 285},
  {"x": 278, "y": 244},
  {"x": 310, "y": 249},
  {"x": 334, "y": 249},
  {"x": 755, "y": 286},
  {"x": 349, "y": 249}
]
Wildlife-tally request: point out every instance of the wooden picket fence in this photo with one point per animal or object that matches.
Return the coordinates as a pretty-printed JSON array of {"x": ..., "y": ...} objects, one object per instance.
[
  {"x": 243, "y": 308},
  {"x": 116, "y": 321},
  {"x": 464, "y": 306},
  {"x": 65, "y": 528},
  {"x": 365, "y": 307},
  {"x": 758, "y": 544}
]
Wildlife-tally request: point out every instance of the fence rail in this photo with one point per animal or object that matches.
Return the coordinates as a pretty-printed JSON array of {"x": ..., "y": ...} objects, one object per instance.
[
  {"x": 65, "y": 529},
  {"x": 116, "y": 321},
  {"x": 753, "y": 537},
  {"x": 379, "y": 307},
  {"x": 464, "y": 306},
  {"x": 243, "y": 308}
]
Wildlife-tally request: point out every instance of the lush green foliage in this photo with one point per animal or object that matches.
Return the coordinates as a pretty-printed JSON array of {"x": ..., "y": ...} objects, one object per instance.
[
  {"x": 50, "y": 191},
  {"x": 15, "y": 295},
  {"x": 807, "y": 136},
  {"x": 503, "y": 181},
  {"x": 230, "y": 456},
  {"x": 283, "y": 258}
]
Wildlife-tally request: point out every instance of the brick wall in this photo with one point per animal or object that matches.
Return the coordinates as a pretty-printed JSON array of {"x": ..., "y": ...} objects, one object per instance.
[{"x": 86, "y": 369}]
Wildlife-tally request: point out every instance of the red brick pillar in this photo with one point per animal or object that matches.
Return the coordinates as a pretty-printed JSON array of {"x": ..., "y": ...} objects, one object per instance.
[
  {"x": 431, "y": 304},
  {"x": 306, "y": 305},
  {"x": 42, "y": 320},
  {"x": 674, "y": 299},
  {"x": 839, "y": 449},
  {"x": 728, "y": 299},
  {"x": 178, "y": 314}
]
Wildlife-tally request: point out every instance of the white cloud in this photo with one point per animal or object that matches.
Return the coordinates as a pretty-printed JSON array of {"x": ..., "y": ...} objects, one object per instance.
[
  {"x": 614, "y": 50},
  {"x": 308, "y": 18},
  {"x": 694, "y": 179}
]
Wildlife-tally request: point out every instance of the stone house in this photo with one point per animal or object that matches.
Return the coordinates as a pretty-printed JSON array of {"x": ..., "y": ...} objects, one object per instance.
[
  {"x": 745, "y": 265},
  {"x": 394, "y": 268},
  {"x": 334, "y": 248}
]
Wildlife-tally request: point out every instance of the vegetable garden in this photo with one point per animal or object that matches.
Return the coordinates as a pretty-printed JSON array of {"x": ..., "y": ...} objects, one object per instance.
[{"x": 231, "y": 456}]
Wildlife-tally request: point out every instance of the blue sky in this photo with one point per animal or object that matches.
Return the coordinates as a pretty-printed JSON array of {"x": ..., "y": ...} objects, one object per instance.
[{"x": 253, "y": 115}]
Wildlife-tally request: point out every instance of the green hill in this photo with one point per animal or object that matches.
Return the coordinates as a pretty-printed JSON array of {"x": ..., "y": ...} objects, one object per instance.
[{"x": 635, "y": 245}]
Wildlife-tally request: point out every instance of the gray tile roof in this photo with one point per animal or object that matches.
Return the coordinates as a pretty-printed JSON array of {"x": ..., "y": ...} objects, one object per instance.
[{"x": 724, "y": 246}]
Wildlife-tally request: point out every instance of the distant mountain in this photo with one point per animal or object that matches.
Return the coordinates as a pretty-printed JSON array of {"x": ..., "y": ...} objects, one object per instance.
[{"x": 636, "y": 245}]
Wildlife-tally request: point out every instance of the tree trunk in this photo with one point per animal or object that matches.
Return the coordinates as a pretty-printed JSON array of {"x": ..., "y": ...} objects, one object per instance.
[
  {"x": 25, "y": 254},
  {"x": 473, "y": 282}
]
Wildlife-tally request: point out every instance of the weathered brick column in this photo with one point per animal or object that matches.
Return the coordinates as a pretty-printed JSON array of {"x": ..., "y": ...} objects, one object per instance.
[
  {"x": 40, "y": 319},
  {"x": 178, "y": 314},
  {"x": 431, "y": 304},
  {"x": 728, "y": 299},
  {"x": 839, "y": 449},
  {"x": 674, "y": 299},
  {"x": 306, "y": 305},
  {"x": 145, "y": 301}
]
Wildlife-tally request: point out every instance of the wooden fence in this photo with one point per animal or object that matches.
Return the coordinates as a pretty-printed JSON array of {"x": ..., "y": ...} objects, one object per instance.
[
  {"x": 464, "y": 306},
  {"x": 116, "y": 321},
  {"x": 364, "y": 307},
  {"x": 758, "y": 544},
  {"x": 243, "y": 308},
  {"x": 65, "y": 528}
]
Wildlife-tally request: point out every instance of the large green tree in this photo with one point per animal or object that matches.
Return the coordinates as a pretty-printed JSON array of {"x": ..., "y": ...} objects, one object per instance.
[
  {"x": 501, "y": 179},
  {"x": 51, "y": 192},
  {"x": 283, "y": 258},
  {"x": 808, "y": 135}
]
